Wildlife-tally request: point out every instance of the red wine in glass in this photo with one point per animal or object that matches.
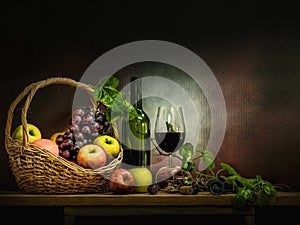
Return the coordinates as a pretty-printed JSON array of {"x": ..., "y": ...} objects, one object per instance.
[{"x": 169, "y": 142}]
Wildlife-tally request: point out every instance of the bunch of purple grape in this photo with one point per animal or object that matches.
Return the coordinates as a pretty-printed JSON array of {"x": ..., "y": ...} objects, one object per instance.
[
  {"x": 106, "y": 127},
  {"x": 82, "y": 130}
]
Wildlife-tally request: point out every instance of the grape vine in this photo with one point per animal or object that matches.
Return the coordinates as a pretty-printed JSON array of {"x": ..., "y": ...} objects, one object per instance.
[{"x": 247, "y": 190}]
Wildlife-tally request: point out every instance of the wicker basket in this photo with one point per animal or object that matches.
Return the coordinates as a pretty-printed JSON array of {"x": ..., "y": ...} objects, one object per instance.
[{"x": 37, "y": 170}]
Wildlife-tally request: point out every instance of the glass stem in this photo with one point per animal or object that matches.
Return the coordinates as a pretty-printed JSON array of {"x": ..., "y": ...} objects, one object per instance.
[{"x": 170, "y": 160}]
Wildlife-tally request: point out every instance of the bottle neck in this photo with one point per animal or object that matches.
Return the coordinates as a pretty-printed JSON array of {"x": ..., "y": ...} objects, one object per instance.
[{"x": 136, "y": 93}]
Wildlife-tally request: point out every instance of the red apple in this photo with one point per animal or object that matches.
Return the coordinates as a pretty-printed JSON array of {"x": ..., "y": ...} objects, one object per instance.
[
  {"x": 122, "y": 181},
  {"x": 47, "y": 144},
  {"x": 91, "y": 156}
]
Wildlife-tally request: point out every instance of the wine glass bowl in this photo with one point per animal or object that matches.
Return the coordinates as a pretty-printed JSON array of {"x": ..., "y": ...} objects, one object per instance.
[
  {"x": 169, "y": 142},
  {"x": 169, "y": 136}
]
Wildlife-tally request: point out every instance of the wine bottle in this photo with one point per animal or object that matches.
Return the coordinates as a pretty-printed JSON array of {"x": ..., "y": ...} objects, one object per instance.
[{"x": 136, "y": 132}]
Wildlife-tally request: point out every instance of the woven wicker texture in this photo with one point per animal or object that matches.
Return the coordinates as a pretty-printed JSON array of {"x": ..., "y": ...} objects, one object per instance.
[{"x": 37, "y": 170}]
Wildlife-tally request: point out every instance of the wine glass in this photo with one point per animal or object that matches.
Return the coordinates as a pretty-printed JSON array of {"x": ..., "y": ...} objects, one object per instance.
[{"x": 169, "y": 135}]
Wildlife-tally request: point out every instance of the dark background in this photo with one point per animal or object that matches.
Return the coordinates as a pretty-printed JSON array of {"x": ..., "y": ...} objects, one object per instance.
[{"x": 252, "y": 48}]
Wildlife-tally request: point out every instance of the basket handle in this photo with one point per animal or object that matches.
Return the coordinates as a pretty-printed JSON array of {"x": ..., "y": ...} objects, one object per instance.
[{"x": 30, "y": 91}]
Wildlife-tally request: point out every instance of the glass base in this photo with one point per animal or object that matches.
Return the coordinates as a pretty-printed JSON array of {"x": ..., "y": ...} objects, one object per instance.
[{"x": 165, "y": 178}]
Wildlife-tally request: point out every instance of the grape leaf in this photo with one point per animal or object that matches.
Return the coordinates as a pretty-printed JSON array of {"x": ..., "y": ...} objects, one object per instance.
[
  {"x": 229, "y": 168},
  {"x": 106, "y": 92},
  {"x": 241, "y": 198},
  {"x": 208, "y": 160},
  {"x": 186, "y": 151}
]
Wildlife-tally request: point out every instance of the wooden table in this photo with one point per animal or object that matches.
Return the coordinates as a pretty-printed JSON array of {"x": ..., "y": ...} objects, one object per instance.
[{"x": 105, "y": 204}]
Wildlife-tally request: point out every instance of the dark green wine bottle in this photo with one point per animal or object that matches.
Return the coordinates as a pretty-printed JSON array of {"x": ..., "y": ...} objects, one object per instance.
[{"x": 136, "y": 132}]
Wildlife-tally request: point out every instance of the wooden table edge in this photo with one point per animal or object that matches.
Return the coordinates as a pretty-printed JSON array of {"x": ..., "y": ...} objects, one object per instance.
[{"x": 203, "y": 198}]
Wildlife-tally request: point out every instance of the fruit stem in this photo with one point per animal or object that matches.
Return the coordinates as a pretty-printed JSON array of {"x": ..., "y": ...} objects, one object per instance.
[{"x": 107, "y": 141}]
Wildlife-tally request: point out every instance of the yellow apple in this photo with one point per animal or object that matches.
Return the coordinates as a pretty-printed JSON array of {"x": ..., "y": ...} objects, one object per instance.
[
  {"x": 33, "y": 132},
  {"x": 110, "y": 144},
  {"x": 54, "y": 136},
  {"x": 143, "y": 178}
]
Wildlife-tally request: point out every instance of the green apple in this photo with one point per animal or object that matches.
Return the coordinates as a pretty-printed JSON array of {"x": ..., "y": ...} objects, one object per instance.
[
  {"x": 143, "y": 178},
  {"x": 110, "y": 144},
  {"x": 33, "y": 132}
]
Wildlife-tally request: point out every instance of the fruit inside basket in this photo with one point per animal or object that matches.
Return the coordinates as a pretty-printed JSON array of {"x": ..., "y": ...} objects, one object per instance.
[{"x": 37, "y": 170}]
